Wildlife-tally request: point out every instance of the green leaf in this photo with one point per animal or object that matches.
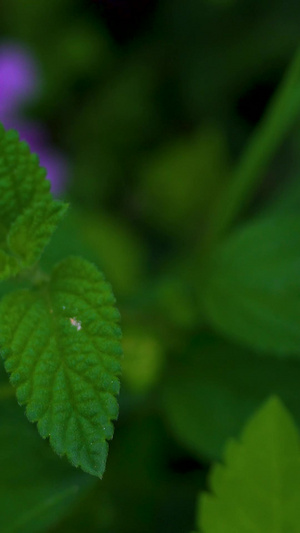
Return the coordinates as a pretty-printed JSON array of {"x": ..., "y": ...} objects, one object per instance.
[
  {"x": 209, "y": 399},
  {"x": 61, "y": 345},
  {"x": 252, "y": 292},
  {"x": 28, "y": 214},
  {"x": 258, "y": 487}
]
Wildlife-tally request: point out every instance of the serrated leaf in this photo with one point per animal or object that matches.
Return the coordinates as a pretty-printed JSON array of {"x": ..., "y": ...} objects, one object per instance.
[
  {"x": 28, "y": 214},
  {"x": 258, "y": 487},
  {"x": 35, "y": 226},
  {"x": 61, "y": 345},
  {"x": 252, "y": 293}
]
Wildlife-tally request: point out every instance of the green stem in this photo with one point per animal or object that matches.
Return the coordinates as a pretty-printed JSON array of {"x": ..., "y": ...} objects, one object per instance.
[{"x": 281, "y": 114}]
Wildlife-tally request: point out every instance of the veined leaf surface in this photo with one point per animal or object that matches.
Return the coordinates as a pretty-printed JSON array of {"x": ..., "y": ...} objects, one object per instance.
[
  {"x": 28, "y": 214},
  {"x": 61, "y": 345},
  {"x": 258, "y": 487}
]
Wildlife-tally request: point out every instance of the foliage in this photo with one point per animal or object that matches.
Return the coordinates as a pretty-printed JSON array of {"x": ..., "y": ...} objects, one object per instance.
[
  {"x": 59, "y": 339},
  {"x": 252, "y": 291},
  {"x": 60, "y": 345},
  {"x": 29, "y": 215},
  {"x": 225, "y": 384},
  {"x": 178, "y": 124},
  {"x": 257, "y": 487}
]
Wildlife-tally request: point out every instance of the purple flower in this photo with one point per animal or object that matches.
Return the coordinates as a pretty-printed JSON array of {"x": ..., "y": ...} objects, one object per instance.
[
  {"x": 18, "y": 78},
  {"x": 19, "y": 84}
]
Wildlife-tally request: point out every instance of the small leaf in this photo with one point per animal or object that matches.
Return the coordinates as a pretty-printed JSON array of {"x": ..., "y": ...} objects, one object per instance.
[
  {"x": 28, "y": 214},
  {"x": 61, "y": 345},
  {"x": 258, "y": 487},
  {"x": 252, "y": 293}
]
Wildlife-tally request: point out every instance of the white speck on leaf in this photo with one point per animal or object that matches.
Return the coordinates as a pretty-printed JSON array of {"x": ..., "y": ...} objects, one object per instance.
[{"x": 76, "y": 323}]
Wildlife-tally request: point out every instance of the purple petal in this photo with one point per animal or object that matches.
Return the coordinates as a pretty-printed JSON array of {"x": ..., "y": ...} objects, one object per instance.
[
  {"x": 18, "y": 77},
  {"x": 57, "y": 169}
]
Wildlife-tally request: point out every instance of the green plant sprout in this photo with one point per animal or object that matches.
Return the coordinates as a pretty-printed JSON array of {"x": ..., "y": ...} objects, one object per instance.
[{"x": 60, "y": 338}]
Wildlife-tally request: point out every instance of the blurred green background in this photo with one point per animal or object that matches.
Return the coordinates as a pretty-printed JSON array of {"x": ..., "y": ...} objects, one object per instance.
[{"x": 150, "y": 105}]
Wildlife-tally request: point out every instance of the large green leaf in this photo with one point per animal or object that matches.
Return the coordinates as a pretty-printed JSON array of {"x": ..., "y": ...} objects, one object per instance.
[
  {"x": 61, "y": 345},
  {"x": 252, "y": 293},
  {"x": 209, "y": 395},
  {"x": 28, "y": 214},
  {"x": 258, "y": 487}
]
